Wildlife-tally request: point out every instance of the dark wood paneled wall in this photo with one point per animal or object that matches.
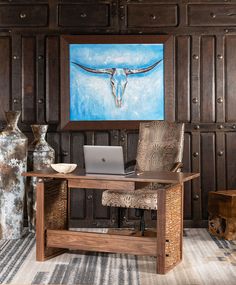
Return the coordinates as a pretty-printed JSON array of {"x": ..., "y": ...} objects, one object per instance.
[{"x": 205, "y": 82}]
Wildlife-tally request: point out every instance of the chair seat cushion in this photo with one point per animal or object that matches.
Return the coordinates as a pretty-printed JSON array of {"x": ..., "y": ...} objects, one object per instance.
[{"x": 141, "y": 199}]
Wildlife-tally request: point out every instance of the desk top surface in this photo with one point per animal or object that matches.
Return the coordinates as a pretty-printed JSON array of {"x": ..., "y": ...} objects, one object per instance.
[{"x": 149, "y": 176}]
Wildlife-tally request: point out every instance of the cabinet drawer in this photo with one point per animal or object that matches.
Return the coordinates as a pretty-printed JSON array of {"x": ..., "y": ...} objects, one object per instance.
[
  {"x": 212, "y": 15},
  {"x": 23, "y": 15},
  {"x": 87, "y": 15},
  {"x": 143, "y": 15}
]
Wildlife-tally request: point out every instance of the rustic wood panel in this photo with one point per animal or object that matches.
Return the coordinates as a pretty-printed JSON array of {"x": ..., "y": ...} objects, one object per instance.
[
  {"x": 28, "y": 80},
  {"x": 230, "y": 160},
  {"x": 209, "y": 1},
  {"x": 16, "y": 75},
  {"x": 230, "y": 82},
  {"x": 195, "y": 79},
  {"x": 188, "y": 215},
  {"x": 84, "y": 15},
  {"x": 40, "y": 79},
  {"x": 77, "y": 198},
  {"x": 65, "y": 147},
  {"x": 52, "y": 79},
  {"x": 5, "y": 75},
  {"x": 211, "y": 15},
  {"x": 207, "y": 87},
  {"x": 169, "y": 80},
  {"x": 77, "y": 206},
  {"x": 208, "y": 169},
  {"x": 101, "y": 138},
  {"x": 23, "y": 15},
  {"x": 220, "y": 79},
  {"x": 99, "y": 212},
  {"x": 77, "y": 155},
  {"x": 220, "y": 161},
  {"x": 196, "y": 183},
  {"x": 183, "y": 78},
  {"x": 151, "y": 15},
  {"x": 132, "y": 143},
  {"x": 54, "y": 141}
]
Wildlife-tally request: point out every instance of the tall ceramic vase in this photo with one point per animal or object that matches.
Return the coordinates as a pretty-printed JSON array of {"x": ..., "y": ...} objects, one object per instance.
[
  {"x": 13, "y": 161},
  {"x": 40, "y": 156}
]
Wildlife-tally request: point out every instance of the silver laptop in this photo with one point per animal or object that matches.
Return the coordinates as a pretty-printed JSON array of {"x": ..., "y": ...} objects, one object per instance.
[{"x": 104, "y": 160}]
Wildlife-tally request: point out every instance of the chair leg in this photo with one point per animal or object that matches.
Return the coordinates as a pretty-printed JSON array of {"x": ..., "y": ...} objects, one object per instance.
[{"x": 140, "y": 213}]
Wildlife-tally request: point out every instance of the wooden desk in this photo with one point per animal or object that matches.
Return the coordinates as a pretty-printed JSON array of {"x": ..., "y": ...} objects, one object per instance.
[{"x": 53, "y": 236}]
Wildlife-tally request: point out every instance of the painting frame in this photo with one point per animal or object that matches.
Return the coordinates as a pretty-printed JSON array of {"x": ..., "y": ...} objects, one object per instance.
[{"x": 67, "y": 40}]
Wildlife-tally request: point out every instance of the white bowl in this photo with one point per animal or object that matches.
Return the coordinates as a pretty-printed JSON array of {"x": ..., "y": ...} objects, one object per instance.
[{"x": 64, "y": 167}]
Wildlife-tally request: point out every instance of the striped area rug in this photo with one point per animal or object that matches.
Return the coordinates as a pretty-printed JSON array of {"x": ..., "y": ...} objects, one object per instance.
[
  {"x": 13, "y": 254},
  {"x": 206, "y": 261}
]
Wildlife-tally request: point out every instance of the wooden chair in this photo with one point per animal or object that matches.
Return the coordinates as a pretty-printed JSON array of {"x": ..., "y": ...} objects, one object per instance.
[{"x": 160, "y": 147}]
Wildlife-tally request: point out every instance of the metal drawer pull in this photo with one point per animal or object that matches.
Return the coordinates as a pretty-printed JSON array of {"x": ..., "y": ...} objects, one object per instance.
[
  {"x": 22, "y": 15},
  {"x": 83, "y": 15}
]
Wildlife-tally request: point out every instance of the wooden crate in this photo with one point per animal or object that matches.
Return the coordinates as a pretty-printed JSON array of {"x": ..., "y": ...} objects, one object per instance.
[{"x": 222, "y": 214}]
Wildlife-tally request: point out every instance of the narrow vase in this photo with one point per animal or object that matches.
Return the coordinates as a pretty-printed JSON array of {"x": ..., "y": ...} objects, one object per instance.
[
  {"x": 40, "y": 156},
  {"x": 13, "y": 162}
]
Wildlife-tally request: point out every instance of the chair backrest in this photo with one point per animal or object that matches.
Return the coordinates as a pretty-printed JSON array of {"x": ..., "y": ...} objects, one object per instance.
[{"x": 160, "y": 145}]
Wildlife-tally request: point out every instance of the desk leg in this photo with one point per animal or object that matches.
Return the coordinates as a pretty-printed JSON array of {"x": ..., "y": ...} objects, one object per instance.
[
  {"x": 51, "y": 214},
  {"x": 169, "y": 227}
]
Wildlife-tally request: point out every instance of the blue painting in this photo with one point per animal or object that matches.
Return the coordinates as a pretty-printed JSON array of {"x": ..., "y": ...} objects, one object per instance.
[{"x": 116, "y": 82}]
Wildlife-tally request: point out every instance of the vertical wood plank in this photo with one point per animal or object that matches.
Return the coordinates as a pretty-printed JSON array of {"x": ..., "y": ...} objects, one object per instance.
[
  {"x": 220, "y": 161},
  {"x": 230, "y": 78},
  {"x": 77, "y": 196},
  {"x": 231, "y": 161},
  {"x": 54, "y": 141},
  {"x": 4, "y": 75},
  {"x": 77, "y": 205},
  {"x": 89, "y": 137},
  {"x": 196, "y": 185},
  {"x": 28, "y": 80},
  {"x": 101, "y": 138},
  {"x": 132, "y": 143},
  {"x": 114, "y": 137},
  {"x": 52, "y": 21},
  {"x": 207, "y": 82},
  {"x": 77, "y": 154},
  {"x": 40, "y": 76},
  {"x": 16, "y": 73},
  {"x": 169, "y": 79},
  {"x": 65, "y": 147},
  {"x": 195, "y": 79},
  {"x": 100, "y": 212},
  {"x": 220, "y": 79},
  {"x": 208, "y": 167},
  {"x": 183, "y": 78},
  {"x": 187, "y": 185},
  {"x": 52, "y": 79}
]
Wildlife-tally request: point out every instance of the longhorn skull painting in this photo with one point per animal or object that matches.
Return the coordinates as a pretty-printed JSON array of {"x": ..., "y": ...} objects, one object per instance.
[
  {"x": 118, "y": 77},
  {"x": 132, "y": 73}
]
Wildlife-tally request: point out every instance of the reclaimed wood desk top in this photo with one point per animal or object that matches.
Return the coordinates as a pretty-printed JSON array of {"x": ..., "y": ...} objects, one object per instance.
[{"x": 148, "y": 176}]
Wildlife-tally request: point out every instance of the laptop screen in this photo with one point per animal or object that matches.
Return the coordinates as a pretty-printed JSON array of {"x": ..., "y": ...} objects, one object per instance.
[{"x": 104, "y": 159}]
